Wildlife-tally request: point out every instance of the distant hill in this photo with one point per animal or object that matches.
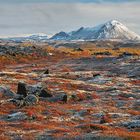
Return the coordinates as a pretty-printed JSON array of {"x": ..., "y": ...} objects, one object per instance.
[{"x": 32, "y": 37}]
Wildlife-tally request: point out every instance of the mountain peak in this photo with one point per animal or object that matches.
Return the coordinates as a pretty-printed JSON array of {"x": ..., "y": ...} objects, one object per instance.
[
  {"x": 60, "y": 36},
  {"x": 111, "y": 30},
  {"x": 114, "y": 22}
]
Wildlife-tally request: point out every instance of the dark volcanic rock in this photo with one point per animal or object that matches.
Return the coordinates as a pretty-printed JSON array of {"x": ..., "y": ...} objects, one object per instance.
[
  {"x": 22, "y": 89},
  {"x": 6, "y": 91},
  {"x": 30, "y": 100},
  {"x": 18, "y": 100},
  {"x": 95, "y": 75},
  {"x": 102, "y": 53},
  {"x": 19, "y": 116},
  {"x": 126, "y": 54},
  {"x": 45, "y": 93},
  {"x": 64, "y": 98},
  {"x": 25, "y": 101},
  {"x": 136, "y": 105},
  {"x": 57, "y": 98},
  {"x": 47, "y": 71},
  {"x": 34, "y": 89},
  {"x": 89, "y": 136},
  {"x": 132, "y": 124},
  {"x": 134, "y": 73}
]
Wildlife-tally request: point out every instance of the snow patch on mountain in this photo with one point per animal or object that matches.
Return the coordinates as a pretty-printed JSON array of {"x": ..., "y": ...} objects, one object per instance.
[
  {"x": 27, "y": 37},
  {"x": 111, "y": 30},
  {"x": 60, "y": 36}
]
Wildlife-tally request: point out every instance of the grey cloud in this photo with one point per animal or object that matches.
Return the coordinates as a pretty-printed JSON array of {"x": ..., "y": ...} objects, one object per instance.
[{"x": 66, "y": 1}]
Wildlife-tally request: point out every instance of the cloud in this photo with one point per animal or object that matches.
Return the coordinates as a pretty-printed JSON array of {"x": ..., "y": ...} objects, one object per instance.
[
  {"x": 66, "y": 1},
  {"x": 52, "y": 17}
]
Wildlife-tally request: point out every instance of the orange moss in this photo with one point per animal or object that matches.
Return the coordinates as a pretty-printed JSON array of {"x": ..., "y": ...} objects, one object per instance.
[
  {"x": 2, "y": 137},
  {"x": 65, "y": 69},
  {"x": 6, "y": 108},
  {"x": 135, "y": 82},
  {"x": 91, "y": 127},
  {"x": 120, "y": 132},
  {"x": 34, "y": 109},
  {"x": 81, "y": 96},
  {"x": 95, "y": 96},
  {"x": 33, "y": 126},
  {"x": 134, "y": 112}
]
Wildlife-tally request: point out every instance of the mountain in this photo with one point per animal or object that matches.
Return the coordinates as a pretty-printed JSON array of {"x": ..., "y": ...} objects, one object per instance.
[
  {"x": 60, "y": 36},
  {"x": 32, "y": 37},
  {"x": 111, "y": 30},
  {"x": 38, "y": 37}
]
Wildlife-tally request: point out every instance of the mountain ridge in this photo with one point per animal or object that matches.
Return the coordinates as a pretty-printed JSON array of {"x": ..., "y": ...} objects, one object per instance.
[
  {"x": 27, "y": 37},
  {"x": 112, "y": 29}
]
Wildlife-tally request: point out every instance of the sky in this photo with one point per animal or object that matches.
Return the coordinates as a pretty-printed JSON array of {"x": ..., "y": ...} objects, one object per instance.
[{"x": 18, "y": 17}]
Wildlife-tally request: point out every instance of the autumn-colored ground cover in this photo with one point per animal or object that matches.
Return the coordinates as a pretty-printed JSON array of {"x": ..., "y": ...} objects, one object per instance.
[{"x": 87, "y": 99}]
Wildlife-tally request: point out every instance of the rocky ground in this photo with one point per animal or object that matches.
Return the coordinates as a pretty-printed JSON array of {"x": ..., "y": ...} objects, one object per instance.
[{"x": 67, "y": 97}]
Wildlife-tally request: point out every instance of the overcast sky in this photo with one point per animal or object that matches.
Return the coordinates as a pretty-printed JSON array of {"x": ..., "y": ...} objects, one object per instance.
[{"x": 19, "y": 17}]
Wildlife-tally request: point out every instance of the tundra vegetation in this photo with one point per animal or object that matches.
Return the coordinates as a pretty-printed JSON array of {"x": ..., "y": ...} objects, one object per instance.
[{"x": 91, "y": 91}]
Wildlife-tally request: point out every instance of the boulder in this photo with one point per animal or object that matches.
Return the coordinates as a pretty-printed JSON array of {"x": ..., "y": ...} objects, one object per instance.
[
  {"x": 25, "y": 101},
  {"x": 6, "y": 92},
  {"x": 103, "y": 120},
  {"x": 97, "y": 74},
  {"x": 47, "y": 71},
  {"x": 82, "y": 113},
  {"x": 34, "y": 89},
  {"x": 119, "y": 115},
  {"x": 30, "y": 100},
  {"x": 74, "y": 97},
  {"x": 128, "y": 95},
  {"x": 45, "y": 93},
  {"x": 57, "y": 98},
  {"x": 127, "y": 54},
  {"x": 106, "y": 118},
  {"x": 132, "y": 124},
  {"x": 39, "y": 90},
  {"x": 102, "y": 53},
  {"x": 64, "y": 98},
  {"x": 18, "y": 100},
  {"x": 21, "y": 90},
  {"x": 18, "y": 116},
  {"x": 135, "y": 73},
  {"x": 136, "y": 105}
]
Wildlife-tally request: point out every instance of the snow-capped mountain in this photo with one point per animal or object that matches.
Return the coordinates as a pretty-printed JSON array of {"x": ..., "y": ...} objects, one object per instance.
[
  {"x": 60, "y": 36},
  {"x": 38, "y": 37},
  {"x": 31, "y": 37},
  {"x": 112, "y": 30}
]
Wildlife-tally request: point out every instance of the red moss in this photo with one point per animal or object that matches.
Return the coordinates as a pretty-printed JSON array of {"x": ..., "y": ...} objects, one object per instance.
[
  {"x": 134, "y": 112},
  {"x": 135, "y": 82},
  {"x": 33, "y": 126}
]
